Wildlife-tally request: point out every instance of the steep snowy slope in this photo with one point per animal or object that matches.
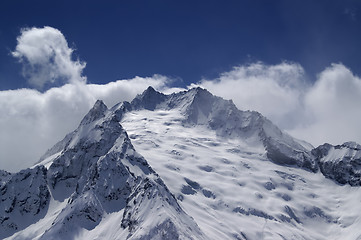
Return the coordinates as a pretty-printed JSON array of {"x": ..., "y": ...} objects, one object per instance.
[
  {"x": 233, "y": 191},
  {"x": 224, "y": 177},
  {"x": 200, "y": 107},
  {"x": 100, "y": 188}
]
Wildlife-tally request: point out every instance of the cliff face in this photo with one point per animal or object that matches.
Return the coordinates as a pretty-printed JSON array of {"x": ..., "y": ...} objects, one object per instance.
[{"x": 341, "y": 163}]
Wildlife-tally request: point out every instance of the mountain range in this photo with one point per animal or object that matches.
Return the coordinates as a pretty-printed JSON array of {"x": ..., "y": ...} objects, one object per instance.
[{"x": 189, "y": 165}]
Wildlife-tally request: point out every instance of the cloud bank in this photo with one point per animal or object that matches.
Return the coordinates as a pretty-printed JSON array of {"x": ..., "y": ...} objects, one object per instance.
[
  {"x": 333, "y": 104},
  {"x": 46, "y": 57},
  {"x": 31, "y": 121}
]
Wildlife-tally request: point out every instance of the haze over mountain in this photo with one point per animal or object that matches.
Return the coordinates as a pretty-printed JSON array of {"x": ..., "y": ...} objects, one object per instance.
[{"x": 188, "y": 165}]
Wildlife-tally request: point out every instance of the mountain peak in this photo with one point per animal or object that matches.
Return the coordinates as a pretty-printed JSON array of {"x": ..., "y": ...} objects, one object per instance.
[
  {"x": 98, "y": 111},
  {"x": 150, "y": 89},
  {"x": 352, "y": 145},
  {"x": 201, "y": 93},
  {"x": 200, "y": 107},
  {"x": 149, "y": 99},
  {"x": 99, "y": 104},
  {"x": 340, "y": 163}
]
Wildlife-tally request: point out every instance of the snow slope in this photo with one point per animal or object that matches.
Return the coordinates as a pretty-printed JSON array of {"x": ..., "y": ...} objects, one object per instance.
[
  {"x": 224, "y": 177},
  {"x": 233, "y": 191},
  {"x": 200, "y": 107}
]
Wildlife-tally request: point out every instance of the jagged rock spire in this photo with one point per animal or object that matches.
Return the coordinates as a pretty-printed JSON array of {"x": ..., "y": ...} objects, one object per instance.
[
  {"x": 97, "y": 112},
  {"x": 149, "y": 99}
]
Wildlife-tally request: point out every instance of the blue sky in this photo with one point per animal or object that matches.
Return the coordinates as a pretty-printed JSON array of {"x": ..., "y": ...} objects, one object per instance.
[
  {"x": 295, "y": 61},
  {"x": 187, "y": 40}
]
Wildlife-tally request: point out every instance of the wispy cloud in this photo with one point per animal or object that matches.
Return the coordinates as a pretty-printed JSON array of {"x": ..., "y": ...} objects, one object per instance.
[
  {"x": 351, "y": 13},
  {"x": 47, "y": 58}
]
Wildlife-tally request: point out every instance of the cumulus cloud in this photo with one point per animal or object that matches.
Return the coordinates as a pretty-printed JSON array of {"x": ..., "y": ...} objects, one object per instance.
[
  {"x": 32, "y": 121},
  {"x": 47, "y": 58},
  {"x": 326, "y": 111},
  {"x": 333, "y": 104}
]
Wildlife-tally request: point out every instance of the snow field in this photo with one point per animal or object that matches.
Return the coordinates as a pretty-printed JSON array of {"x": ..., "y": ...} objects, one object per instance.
[{"x": 233, "y": 191}]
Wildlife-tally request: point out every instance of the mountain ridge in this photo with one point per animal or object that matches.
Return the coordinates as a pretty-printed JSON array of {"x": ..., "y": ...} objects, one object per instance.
[
  {"x": 281, "y": 148},
  {"x": 97, "y": 171}
]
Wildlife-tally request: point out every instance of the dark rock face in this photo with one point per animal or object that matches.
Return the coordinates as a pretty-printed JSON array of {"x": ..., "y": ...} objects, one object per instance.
[
  {"x": 24, "y": 198},
  {"x": 280, "y": 153},
  {"x": 71, "y": 168},
  {"x": 341, "y": 163},
  {"x": 149, "y": 99},
  {"x": 97, "y": 112}
]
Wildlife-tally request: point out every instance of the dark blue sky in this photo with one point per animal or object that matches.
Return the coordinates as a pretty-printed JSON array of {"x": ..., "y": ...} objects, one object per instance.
[{"x": 187, "y": 39}]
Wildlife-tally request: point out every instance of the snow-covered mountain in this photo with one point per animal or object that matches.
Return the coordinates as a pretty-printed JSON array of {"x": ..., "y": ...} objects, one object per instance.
[
  {"x": 193, "y": 167},
  {"x": 200, "y": 107},
  {"x": 95, "y": 186}
]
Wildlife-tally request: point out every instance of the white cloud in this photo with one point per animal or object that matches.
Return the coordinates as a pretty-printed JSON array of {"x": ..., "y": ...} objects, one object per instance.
[
  {"x": 46, "y": 57},
  {"x": 32, "y": 121},
  {"x": 327, "y": 111},
  {"x": 333, "y": 104}
]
